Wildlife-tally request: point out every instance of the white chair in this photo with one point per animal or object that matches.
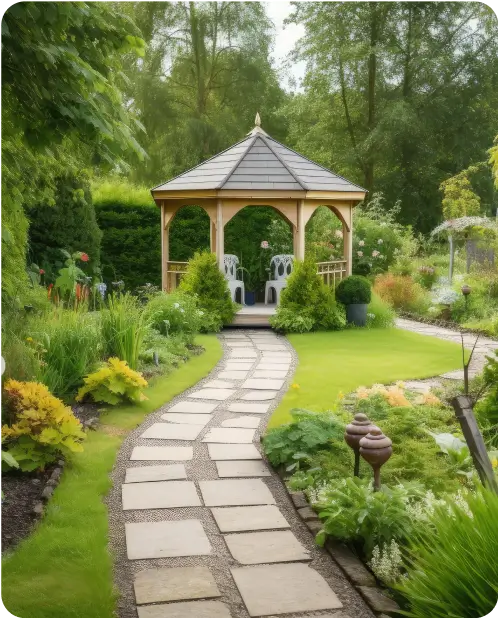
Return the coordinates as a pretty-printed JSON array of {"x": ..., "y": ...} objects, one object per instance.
[
  {"x": 280, "y": 268},
  {"x": 231, "y": 263}
]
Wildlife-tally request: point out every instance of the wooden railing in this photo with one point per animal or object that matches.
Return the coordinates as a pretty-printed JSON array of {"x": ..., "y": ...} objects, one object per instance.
[
  {"x": 332, "y": 272},
  {"x": 174, "y": 272}
]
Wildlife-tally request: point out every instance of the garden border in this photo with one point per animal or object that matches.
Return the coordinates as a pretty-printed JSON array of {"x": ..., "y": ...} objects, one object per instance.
[{"x": 445, "y": 324}]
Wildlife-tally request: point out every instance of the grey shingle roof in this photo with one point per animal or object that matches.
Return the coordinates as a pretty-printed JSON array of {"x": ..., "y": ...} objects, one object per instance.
[{"x": 259, "y": 162}]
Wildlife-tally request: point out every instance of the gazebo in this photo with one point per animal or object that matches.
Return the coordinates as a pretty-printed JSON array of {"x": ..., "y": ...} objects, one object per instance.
[{"x": 258, "y": 171}]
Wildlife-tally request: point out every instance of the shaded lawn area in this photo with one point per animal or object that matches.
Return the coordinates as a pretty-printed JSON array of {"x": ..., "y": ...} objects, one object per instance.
[
  {"x": 63, "y": 569},
  {"x": 334, "y": 362}
]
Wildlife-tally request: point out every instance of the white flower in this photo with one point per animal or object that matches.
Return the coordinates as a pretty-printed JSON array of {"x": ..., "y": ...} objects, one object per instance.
[
  {"x": 387, "y": 563},
  {"x": 338, "y": 234},
  {"x": 176, "y": 305},
  {"x": 360, "y": 253},
  {"x": 380, "y": 241},
  {"x": 361, "y": 243},
  {"x": 200, "y": 313},
  {"x": 371, "y": 316},
  {"x": 182, "y": 310}
]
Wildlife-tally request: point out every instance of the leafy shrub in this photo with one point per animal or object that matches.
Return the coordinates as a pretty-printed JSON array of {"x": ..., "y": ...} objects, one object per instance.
[
  {"x": 123, "y": 328},
  {"x": 113, "y": 383},
  {"x": 426, "y": 276},
  {"x": 174, "y": 313},
  {"x": 353, "y": 290},
  {"x": 205, "y": 281},
  {"x": 453, "y": 570},
  {"x": 380, "y": 314},
  {"x": 487, "y": 408},
  {"x": 401, "y": 292},
  {"x": 40, "y": 427},
  {"x": 307, "y": 300},
  {"x": 297, "y": 441},
  {"x": 160, "y": 353}
]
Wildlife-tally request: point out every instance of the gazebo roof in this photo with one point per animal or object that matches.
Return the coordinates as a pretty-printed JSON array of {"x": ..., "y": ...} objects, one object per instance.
[{"x": 259, "y": 162}]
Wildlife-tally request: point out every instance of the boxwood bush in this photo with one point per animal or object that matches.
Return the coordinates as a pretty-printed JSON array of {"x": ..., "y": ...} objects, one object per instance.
[{"x": 354, "y": 290}]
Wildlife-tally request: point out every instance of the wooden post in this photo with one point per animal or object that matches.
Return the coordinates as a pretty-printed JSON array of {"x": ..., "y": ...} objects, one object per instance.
[
  {"x": 300, "y": 231},
  {"x": 164, "y": 249},
  {"x": 348, "y": 247},
  {"x": 220, "y": 236},
  {"x": 465, "y": 415},
  {"x": 212, "y": 236}
]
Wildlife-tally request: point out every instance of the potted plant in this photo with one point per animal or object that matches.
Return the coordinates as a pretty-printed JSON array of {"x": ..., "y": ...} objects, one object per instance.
[
  {"x": 251, "y": 278},
  {"x": 354, "y": 293}
]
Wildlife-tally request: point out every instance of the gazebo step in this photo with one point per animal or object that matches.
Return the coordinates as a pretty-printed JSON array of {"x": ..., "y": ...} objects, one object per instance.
[{"x": 245, "y": 319}]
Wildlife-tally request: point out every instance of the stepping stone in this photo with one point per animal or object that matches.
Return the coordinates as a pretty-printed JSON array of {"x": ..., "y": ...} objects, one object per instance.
[
  {"x": 234, "y": 336},
  {"x": 144, "y": 474},
  {"x": 243, "y": 353},
  {"x": 240, "y": 365},
  {"x": 224, "y": 452},
  {"x": 283, "y": 589},
  {"x": 179, "y": 584},
  {"x": 265, "y": 547},
  {"x": 220, "y": 394},
  {"x": 240, "y": 492},
  {"x": 272, "y": 347},
  {"x": 246, "y": 518},
  {"x": 259, "y": 395},
  {"x": 239, "y": 344},
  {"x": 219, "y": 384},
  {"x": 250, "y": 422},
  {"x": 171, "y": 431},
  {"x": 453, "y": 375},
  {"x": 233, "y": 375},
  {"x": 247, "y": 468},
  {"x": 193, "y": 609},
  {"x": 273, "y": 366},
  {"x": 166, "y": 539},
  {"x": 270, "y": 373},
  {"x": 249, "y": 408},
  {"x": 240, "y": 360},
  {"x": 162, "y": 453},
  {"x": 159, "y": 495},
  {"x": 280, "y": 356},
  {"x": 229, "y": 435},
  {"x": 187, "y": 419},
  {"x": 194, "y": 407},
  {"x": 261, "y": 384}
]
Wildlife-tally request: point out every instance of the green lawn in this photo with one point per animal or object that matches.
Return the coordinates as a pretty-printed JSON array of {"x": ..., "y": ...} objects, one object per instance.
[
  {"x": 63, "y": 569},
  {"x": 341, "y": 361}
]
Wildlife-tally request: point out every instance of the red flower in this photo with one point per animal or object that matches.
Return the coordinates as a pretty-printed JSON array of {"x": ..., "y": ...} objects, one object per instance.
[
  {"x": 42, "y": 272},
  {"x": 84, "y": 257}
]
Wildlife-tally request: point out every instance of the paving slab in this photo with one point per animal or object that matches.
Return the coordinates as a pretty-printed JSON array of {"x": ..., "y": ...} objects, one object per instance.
[
  {"x": 273, "y": 365},
  {"x": 190, "y": 609},
  {"x": 266, "y": 547},
  {"x": 282, "y": 356},
  {"x": 283, "y": 589},
  {"x": 236, "y": 360},
  {"x": 246, "y": 518},
  {"x": 225, "y": 452},
  {"x": 233, "y": 375},
  {"x": 179, "y": 584},
  {"x": 279, "y": 374},
  {"x": 162, "y": 453},
  {"x": 166, "y": 539},
  {"x": 143, "y": 474},
  {"x": 193, "y": 407},
  {"x": 218, "y": 384},
  {"x": 249, "y": 408},
  {"x": 239, "y": 492},
  {"x": 250, "y": 422},
  {"x": 263, "y": 384},
  {"x": 187, "y": 419},
  {"x": 219, "y": 394},
  {"x": 243, "y": 353},
  {"x": 239, "y": 344},
  {"x": 259, "y": 395},
  {"x": 159, "y": 495},
  {"x": 172, "y": 431},
  {"x": 240, "y": 365},
  {"x": 229, "y": 435},
  {"x": 245, "y": 468},
  {"x": 278, "y": 347}
]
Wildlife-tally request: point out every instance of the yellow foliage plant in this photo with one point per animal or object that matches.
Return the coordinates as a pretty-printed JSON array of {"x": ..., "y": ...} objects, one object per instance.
[
  {"x": 113, "y": 383},
  {"x": 40, "y": 427}
]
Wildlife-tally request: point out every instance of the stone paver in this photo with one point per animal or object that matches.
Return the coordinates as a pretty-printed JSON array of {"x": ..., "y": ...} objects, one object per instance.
[
  {"x": 240, "y": 492},
  {"x": 243, "y": 353},
  {"x": 190, "y": 609},
  {"x": 259, "y": 395},
  {"x": 233, "y": 375},
  {"x": 266, "y": 547},
  {"x": 236, "y": 360},
  {"x": 273, "y": 366},
  {"x": 263, "y": 384},
  {"x": 239, "y": 344},
  {"x": 248, "y": 518},
  {"x": 166, "y": 539},
  {"x": 283, "y": 589},
  {"x": 271, "y": 347},
  {"x": 159, "y": 495},
  {"x": 246, "y": 468},
  {"x": 223, "y": 452},
  {"x": 249, "y": 408},
  {"x": 279, "y": 374},
  {"x": 251, "y": 422},
  {"x": 180, "y": 584},
  {"x": 219, "y": 394},
  {"x": 218, "y": 384},
  {"x": 171, "y": 472},
  {"x": 162, "y": 453},
  {"x": 172, "y": 431},
  {"x": 240, "y": 365},
  {"x": 229, "y": 435},
  {"x": 187, "y": 419},
  {"x": 194, "y": 407}
]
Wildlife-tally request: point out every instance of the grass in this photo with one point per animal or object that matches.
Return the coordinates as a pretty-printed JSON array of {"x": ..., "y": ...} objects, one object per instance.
[
  {"x": 334, "y": 362},
  {"x": 63, "y": 570}
]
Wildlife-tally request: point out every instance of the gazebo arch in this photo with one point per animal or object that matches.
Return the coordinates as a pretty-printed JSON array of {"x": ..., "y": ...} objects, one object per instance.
[{"x": 258, "y": 171}]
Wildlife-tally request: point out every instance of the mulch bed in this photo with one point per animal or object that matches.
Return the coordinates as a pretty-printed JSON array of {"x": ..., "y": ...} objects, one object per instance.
[{"x": 85, "y": 411}]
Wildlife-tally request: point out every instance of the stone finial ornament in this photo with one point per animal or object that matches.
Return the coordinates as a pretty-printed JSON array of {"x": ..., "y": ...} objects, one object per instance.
[
  {"x": 376, "y": 448},
  {"x": 355, "y": 431},
  {"x": 257, "y": 120},
  {"x": 257, "y": 127}
]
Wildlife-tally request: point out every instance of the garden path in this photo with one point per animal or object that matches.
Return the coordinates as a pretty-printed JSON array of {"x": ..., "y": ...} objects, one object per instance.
[{"x": 200, "y": 526}]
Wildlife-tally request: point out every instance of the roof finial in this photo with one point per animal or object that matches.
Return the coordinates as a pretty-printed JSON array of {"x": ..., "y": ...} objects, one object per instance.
[
  {"x": 257, "y": 126},
  {"x": 257, "y": 120}
]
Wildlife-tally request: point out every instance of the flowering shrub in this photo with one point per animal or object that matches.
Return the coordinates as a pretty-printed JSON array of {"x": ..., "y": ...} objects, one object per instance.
[
  {"x": 426, "y": 276},
  {"x": 394, "y": 395},
  {"x": 40, "y": 427},
  {"x": 175, "y": 313},
  {"x": 113, "y": 383},
  {"x": 401, "y": 292}
]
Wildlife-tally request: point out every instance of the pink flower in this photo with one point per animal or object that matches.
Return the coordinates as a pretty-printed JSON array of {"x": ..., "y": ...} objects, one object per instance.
[
  {"x": 360, "y": 253},
  {"x": 375, "y": 253},
  {"x": 362, "y": 243},
  {"x": 265, "y": 244},
  {"x": 41, "y": 271},
  {"x": 84, "y": 257}
]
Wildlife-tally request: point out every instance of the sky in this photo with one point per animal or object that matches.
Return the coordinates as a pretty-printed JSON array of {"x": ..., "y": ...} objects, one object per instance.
[{"x": 286, "y": 38}]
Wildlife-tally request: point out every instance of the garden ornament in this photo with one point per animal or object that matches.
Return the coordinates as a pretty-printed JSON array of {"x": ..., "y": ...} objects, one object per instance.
[
  {"x": 466, "y": 290},
  {"x": 376, "y": 448},
  {"x": 355, "y": 431}
]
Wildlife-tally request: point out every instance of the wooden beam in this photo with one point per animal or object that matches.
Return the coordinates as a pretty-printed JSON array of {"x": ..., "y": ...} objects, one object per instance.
[
  {"x": 347, "y": 235},
  {"x": 220, "y": 235}
]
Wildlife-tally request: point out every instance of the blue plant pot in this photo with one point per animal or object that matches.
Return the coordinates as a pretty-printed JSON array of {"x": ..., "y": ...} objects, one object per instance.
[
  {"x": 250, "y": 298},
  {"x": 356, "y": 314}
]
